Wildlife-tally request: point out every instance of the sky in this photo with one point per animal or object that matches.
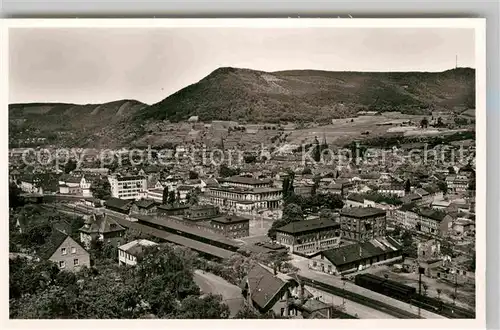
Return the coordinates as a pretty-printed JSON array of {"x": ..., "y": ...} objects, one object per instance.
[{"x": 96, "y": 65}]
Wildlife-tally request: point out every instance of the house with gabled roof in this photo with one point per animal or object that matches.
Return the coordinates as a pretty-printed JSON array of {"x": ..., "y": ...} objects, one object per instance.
[
  {"x": 63, "y": 250},
  {"x": 131, "y": 252},
  {"x": 267, "y": 292},
  {"x": 144, "y": 206},
  {"x": 101, "y": 227}
]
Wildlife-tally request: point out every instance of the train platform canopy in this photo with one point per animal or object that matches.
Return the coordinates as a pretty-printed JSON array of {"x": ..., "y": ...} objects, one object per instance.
[
  {"x": 176, "y": 239},
  {"x": 177, "y": 226}
]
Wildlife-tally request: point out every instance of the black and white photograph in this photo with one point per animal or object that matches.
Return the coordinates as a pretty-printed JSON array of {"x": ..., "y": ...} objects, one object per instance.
[{"x": 246, "y": 169}]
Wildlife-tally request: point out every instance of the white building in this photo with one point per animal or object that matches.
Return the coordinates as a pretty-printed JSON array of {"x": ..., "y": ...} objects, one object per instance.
[
  {"x": 130, "y": 252},
  {"x": 128, "y": 187}
]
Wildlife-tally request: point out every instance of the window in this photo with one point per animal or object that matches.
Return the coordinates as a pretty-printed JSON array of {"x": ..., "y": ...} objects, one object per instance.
[
  {"x": 75, "y": 262},
  {"x": 62, "y": 264},
  {"x": 73, "y": 250},
  {"x": 63, "y": 251}
]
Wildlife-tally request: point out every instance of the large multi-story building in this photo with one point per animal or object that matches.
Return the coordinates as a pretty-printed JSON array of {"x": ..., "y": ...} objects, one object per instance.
[
  {"x": 128, "y": 187},
  {"x": 362, "y": 223},
  {"x": 310, "y": 236},
  {"x": 243, "y": 195}
]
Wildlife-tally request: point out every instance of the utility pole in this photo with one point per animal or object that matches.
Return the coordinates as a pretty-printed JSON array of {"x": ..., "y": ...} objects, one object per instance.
[{"x": 456, "y": 61}]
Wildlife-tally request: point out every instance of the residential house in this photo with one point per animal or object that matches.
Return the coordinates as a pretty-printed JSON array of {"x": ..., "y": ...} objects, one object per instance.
[
  {"x": 424, "y": 220},
  {"x": 429, "y": 250},
  {"x": 309, "y": 236},
  {"x": 143, "y": 206},
  {"x": 355, "y": 200},
  {"x": 231, "y": 226},
  {"x": 413, "y": 199},
  {"x": 75, "y": 185},
  {"x": 120, "y": 206},
  {"x": 392, "y": 189},
  {"x": 30, "y": 184},
  {"x": 267, "y": 292},
  {"x": 362, "y": 224},
  {"x": 172, "y": 209},
  {"x": 427, "y": 198},
  {"x": 357, "y": 256},
  {"x": 63, "y": 250},
  {"x": 101, "y": 227},
  {"x": 457, "y": 183},
  {"x": 130, "y": 253},
  {"x": 201, "y": 212}
]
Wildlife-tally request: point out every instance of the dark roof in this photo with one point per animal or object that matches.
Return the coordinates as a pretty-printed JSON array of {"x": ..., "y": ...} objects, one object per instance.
[
  {"x": 432, "y": 214},
  {"x": 356, "y": 197},
  {"x": 130, "y": 178},
  {"x": 421, "y": 192},
  {"x": 362, "y": 212},
  {"x": 263, "y": 286},
  {"x": 172, "y": 207},
  {"x": 246, "y": 180},
  {"x": 177, "y": 239},
  {"x": 52, "y": 244},
  {"x": 118, "y": 203},
  {"x": 230, "y": 219},
  {"x": 101, "y": 224},
  {"x": 201, "y": 207},
  {"x": 308, "y": 225},
  {"x": 145, "y": 204},
  {"x": 354, "y": 252},
  {"x": 412, "y": 197},
  {"x": 179, "y": 227}
]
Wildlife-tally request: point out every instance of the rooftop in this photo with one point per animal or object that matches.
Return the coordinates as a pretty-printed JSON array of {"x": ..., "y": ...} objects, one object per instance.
[
  {"x": 230, "y": 219},
  {"x": 362, "y": 212},
  {"x": 245, "y": 180},
  {"x": 354, "y": 252},
  {"x": 308, "y": 225}
]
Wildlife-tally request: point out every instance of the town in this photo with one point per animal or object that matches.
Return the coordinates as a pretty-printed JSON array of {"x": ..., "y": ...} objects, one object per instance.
[{"x": 273, "y": 233}]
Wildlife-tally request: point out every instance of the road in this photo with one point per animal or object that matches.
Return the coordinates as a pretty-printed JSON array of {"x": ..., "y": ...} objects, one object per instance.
[{"x": 210, "y": 283}]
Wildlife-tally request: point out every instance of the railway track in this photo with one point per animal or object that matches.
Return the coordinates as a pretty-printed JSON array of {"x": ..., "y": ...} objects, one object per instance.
[{"x": 360, "y": 299}]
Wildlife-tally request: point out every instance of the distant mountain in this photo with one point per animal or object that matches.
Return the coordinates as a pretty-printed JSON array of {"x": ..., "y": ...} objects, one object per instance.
[
  {"x": 246, "y": 96},
  {"x": 308, "y": 95},
  {"x": 80, "y": 124}
]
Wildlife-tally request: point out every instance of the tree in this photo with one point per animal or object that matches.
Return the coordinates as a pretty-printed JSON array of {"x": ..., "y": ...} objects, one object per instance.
[
  {"x": 425, "y": 286},
  {"x": 291, "y": 213},
  {"x": 306, "y": 171},
  {"x": 15, "y": 200},
  {"x": 424, "y": 123},
  {"x": 225, "y": 171},
  {"x": 171, "y": 197},
  {"x": 101, "y": 189},
  {"x": 70, "y": 166},
  {"x": 447, "y": 248},
  {"x": 472, "y": 182},
  {"x": 443, "y": 186},
  {"x": 407, "y": 186},
  {"x": 165, "y": 196},
  {"x": 205, "y": 307},
  {"x": 440, "y": 122},
  {"x": 193, "y": 175}
]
